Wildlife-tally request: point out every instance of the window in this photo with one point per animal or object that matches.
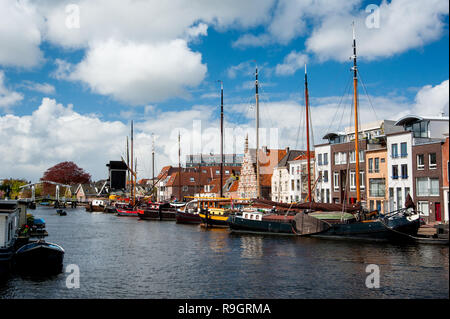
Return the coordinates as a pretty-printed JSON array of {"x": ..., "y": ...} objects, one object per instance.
[
  {"x": 352, "y": 157},
  {"x": 394, "y": 152},
  {"x": 370, "y": 165},
  {"x": 217, "y": 172},
  {"x": 420, "y": 161},
  {"x": 423, "y": 208},
  {"x": 352, "y": 180},
  {"x": 406, "y": 192},
  {"x": 399, "y": 198},
  {"x": 371, "y": 206},
  {"x": 325, "y": 176},
  {"x": 292, "y": 185},
  {"x": 361, "y": 179},
  {"x": 192, "y": 179},
  {"x": 227, "y": 172},
  {"x": 361, "y": 156},
  {"x": 403, "y": 150},
  {"x": 343, "y": 158},
  {"x": 377, "y": 187},
  {"x": 426, "y": 186},
  {"x": 328, "y": 196},
  {"x": 336, "y": 180},
  {"x": 298, "y": 184},
  {"x": 325, "y": 159},
  {"x": 377, "y": 165},
  {"x": 404, "y": 171},
  {"x": 419, "y": 129},
  {"x": 337, "y": 159},
  {"x": 394, "y": 171},
  {"x": 432, "y": 160},
  {"x": 184, "y": 188},
  {"x": 320, "y": 159}
]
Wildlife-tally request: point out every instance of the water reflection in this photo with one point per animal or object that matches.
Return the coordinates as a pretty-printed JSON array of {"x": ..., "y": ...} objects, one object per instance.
[{"x": 128, "y": 258}]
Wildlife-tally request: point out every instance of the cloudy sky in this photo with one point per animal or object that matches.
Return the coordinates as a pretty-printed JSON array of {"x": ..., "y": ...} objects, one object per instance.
[{"x": 73, "y": 74}]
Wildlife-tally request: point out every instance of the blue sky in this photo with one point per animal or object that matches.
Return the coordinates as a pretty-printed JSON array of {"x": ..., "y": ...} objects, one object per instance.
[{"x": 159, "y": 63}]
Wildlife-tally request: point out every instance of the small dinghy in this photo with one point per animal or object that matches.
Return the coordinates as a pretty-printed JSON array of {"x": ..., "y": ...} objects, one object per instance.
[
  {"x": 39, "y": 257},
  {"x": 61, "y": 212}
]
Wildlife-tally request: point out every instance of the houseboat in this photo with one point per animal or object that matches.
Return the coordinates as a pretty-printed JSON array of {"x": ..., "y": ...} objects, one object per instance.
[
  {"x": 39, "y": 257},
  {"x": 9, "y": 219}
]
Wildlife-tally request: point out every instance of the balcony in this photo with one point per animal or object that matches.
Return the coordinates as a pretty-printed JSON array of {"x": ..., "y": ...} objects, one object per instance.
[{"x": 403, "y": 155}]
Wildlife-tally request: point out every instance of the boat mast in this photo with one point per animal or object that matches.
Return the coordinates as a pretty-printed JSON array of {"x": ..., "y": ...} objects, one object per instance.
[
  {"x": 128, "y": 165},
  {"x": 132, "y": 177},
  {"x": 308, "y": 154},
  {"x": 153, "y": 164},
  {"x": 221, "y": 140},
  {"x": 179, "y": 167},
  {"x": 258, "y": 189},
  {"x": 355, "y": 98}
]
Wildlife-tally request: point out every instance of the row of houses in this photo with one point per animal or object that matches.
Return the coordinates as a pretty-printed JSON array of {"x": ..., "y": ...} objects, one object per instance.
[{"x": 396, "y": 159}]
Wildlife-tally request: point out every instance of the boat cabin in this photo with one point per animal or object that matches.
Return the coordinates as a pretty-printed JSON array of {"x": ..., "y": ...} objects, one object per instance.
[
  {"x": 252, "y": 215},
  {"x": 9, "y": 219},
  {"x": 98, "y": 202}
]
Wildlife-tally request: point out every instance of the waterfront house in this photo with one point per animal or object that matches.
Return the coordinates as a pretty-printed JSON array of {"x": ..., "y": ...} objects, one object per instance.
[
  {"x": 445, "y": 178},
  {"x": 414, "y": 164},
  {"x": 341, "y": 162},
  {"x": 376, "y": 179},
  {"x": 85, "y": 192},
  {"x": 289, "y": 179},
  {"x": 322, "y": 169}
]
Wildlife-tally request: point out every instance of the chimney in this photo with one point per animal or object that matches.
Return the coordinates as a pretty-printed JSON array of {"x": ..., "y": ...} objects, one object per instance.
[{"x": 287, "y": 149}]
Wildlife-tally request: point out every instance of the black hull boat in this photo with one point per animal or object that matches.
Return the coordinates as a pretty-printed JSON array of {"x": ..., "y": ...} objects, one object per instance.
[
  {"x": 6, "y": 257},
  {"x": 39, "y": 257},
  {"x": 157, "y": 211}
]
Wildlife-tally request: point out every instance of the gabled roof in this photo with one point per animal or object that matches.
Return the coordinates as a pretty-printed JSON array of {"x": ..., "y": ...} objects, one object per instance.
[
  {"x": 305, "y": 156},
  {"x": 289, "y": 156}
]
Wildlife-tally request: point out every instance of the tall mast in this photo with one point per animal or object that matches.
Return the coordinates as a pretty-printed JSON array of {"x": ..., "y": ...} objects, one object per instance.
[
  {"x": 132, "y": 177},
  {"x": 128, "y": 165},
  {"x": 153, "y": 163},
  {"x": 308, "y": 154},
  {"x": 221, "y": 140},
  {"x": 258, "y": 189},
  {"x": 355, "y": 98},
  {"x": 179, "y": 167}
]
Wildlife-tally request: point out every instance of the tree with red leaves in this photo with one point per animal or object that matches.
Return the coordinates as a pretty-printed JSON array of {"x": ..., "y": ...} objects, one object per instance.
[{"x": 65, "y": 173}]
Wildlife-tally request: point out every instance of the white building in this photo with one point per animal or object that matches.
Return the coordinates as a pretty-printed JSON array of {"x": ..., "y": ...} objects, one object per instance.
[
  {"x": 399, "y": 165},
  {"x": 283, "y": 185},
  {"x": 323, "y": 173},
  {"x": 298, "y": 173}
]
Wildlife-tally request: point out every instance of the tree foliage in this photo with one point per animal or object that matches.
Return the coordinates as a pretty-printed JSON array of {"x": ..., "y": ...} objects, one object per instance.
[
  {"x": 65, "y": 173},
  {"x": 11, "y": 187}
]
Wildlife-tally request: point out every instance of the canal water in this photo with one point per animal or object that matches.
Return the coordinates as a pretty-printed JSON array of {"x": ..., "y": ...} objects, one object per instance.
[{"x": 124, "y": 257}]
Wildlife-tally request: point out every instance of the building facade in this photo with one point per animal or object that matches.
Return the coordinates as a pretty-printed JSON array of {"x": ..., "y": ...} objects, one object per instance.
[
  {"x": 376, "y": 179},
  {"x": 322, "y": 169},
  {"x": 298, "y": 183},
  {"x": 445, "y": 178}
]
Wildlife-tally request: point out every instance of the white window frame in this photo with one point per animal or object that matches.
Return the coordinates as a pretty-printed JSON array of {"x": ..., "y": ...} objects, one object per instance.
[
  {"x": 432, "y": 166},
  {"x": 336, "y": 180}
]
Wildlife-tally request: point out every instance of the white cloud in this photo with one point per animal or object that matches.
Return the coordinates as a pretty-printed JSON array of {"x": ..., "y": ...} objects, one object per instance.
[
  {"x": 20, "y": 34},
  {"x": 7, "y": 97},
  {"x": 403, "y": 25},
  {"x": 292, "y": 62},
  {"x": 138, "y": 73},
  {"x": 432, "y": 100},
  {"x": 45, "y": 88}
]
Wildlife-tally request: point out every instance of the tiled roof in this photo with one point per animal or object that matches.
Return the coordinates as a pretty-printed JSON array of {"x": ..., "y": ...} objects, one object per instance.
[
  {"x": 305, "y": 156},
  {"x": 289, "y": 156}
]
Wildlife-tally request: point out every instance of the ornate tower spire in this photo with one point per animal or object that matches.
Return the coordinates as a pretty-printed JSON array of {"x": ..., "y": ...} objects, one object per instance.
[{"x": 246, "y": 144}]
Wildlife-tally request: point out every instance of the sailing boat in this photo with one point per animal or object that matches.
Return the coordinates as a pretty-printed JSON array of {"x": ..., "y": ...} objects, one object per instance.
[
  {"x": 129, "y": 209},
  {"x": 216, "y": 211},
  {"x": 267, "y": 216}
]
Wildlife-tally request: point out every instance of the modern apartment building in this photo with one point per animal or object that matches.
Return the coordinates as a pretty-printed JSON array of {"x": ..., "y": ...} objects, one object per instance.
[{"x": 415, "y": 164}]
